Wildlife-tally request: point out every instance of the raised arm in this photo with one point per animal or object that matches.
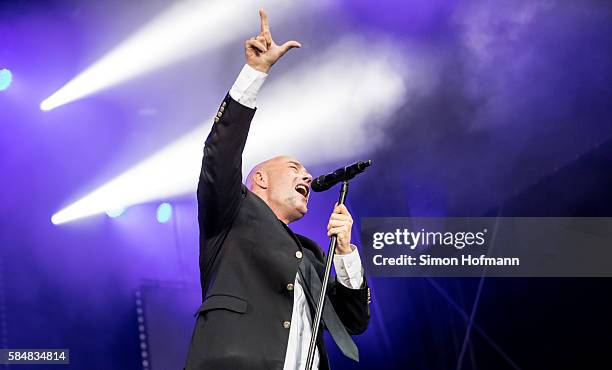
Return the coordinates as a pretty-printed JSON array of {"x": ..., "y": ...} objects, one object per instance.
[{"x": 219, "y": 186}]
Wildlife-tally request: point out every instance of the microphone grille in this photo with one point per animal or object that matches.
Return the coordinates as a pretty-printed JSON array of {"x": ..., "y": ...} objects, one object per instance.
[{"x": 318, "y": 184}]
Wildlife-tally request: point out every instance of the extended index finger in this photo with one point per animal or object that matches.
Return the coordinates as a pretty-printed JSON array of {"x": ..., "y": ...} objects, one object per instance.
[{"x": 265, "y": 25}]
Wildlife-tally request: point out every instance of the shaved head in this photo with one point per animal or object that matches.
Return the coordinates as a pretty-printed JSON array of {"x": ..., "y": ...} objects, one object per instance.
[
  {"x": 265, "y": 167},
  {"x": 284, "y": 184}
]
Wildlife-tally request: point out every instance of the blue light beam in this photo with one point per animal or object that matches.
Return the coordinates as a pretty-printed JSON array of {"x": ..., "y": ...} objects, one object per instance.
[
  {"x": 6, "y": 77},
  {"x": 164, "y": 213}
]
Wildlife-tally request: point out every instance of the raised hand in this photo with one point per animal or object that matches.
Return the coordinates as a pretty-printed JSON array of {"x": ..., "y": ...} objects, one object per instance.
[{"x": 261, "y": 51}]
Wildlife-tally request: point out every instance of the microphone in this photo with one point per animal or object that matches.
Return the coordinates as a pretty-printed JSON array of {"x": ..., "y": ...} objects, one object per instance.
[{"x": 325, "y": 182}]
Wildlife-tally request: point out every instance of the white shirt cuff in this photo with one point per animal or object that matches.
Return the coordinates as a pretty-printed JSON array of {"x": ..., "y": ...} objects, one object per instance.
[
  {"x": 349, "y": 271},
  {"x": 247, "y": 85}
]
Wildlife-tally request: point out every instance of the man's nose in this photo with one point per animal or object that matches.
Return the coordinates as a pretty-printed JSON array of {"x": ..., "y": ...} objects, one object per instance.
[{"x": 307, "y": 178}]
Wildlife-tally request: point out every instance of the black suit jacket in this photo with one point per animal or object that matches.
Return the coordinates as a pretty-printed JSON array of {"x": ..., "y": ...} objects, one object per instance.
[{"x": 247, "y": 260}]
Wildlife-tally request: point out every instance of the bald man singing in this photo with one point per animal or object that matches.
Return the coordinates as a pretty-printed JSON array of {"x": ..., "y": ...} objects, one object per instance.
[{"x": 260, "y": 281}]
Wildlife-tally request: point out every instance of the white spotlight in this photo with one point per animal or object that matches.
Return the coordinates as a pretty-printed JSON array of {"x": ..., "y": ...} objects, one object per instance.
[
  {"x": 163, "y": 175},
  {"x": 187, "y": 28},
  {"x": 336, "y": 110},
  {"x": 114, "y": 213}
]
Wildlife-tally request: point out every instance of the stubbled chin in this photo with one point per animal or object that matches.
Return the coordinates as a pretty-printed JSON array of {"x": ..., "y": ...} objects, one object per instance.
[{"x": 303, "y": 207}]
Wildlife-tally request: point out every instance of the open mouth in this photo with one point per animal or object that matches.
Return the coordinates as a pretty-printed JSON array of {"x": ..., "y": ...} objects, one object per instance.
[{"x": 302, "y": 189}]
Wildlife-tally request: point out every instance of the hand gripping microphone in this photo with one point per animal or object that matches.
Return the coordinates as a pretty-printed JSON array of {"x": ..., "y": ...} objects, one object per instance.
[{"x": 325, "y": 182}]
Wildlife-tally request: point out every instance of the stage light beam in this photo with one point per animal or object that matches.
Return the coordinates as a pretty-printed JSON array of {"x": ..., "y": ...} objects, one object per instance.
[
  {"x": 114, "y": 213},
  {"x": 341, "y": 108},
  {"x": 186, "y": 28}
]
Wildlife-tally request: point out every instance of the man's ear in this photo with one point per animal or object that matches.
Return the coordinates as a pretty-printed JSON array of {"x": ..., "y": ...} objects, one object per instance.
[{"x": 260, "y": 178}]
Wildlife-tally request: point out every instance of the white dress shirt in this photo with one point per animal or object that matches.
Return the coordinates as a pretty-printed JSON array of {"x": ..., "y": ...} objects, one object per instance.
[{"x": 349, "y": 271}]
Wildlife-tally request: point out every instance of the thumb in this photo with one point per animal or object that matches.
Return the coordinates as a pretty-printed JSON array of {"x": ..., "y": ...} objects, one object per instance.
[{"x": 289, "y": 45}]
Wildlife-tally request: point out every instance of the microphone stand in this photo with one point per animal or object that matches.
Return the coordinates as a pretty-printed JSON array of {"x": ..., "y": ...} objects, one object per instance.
[{"x": 328, "y": 264}]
